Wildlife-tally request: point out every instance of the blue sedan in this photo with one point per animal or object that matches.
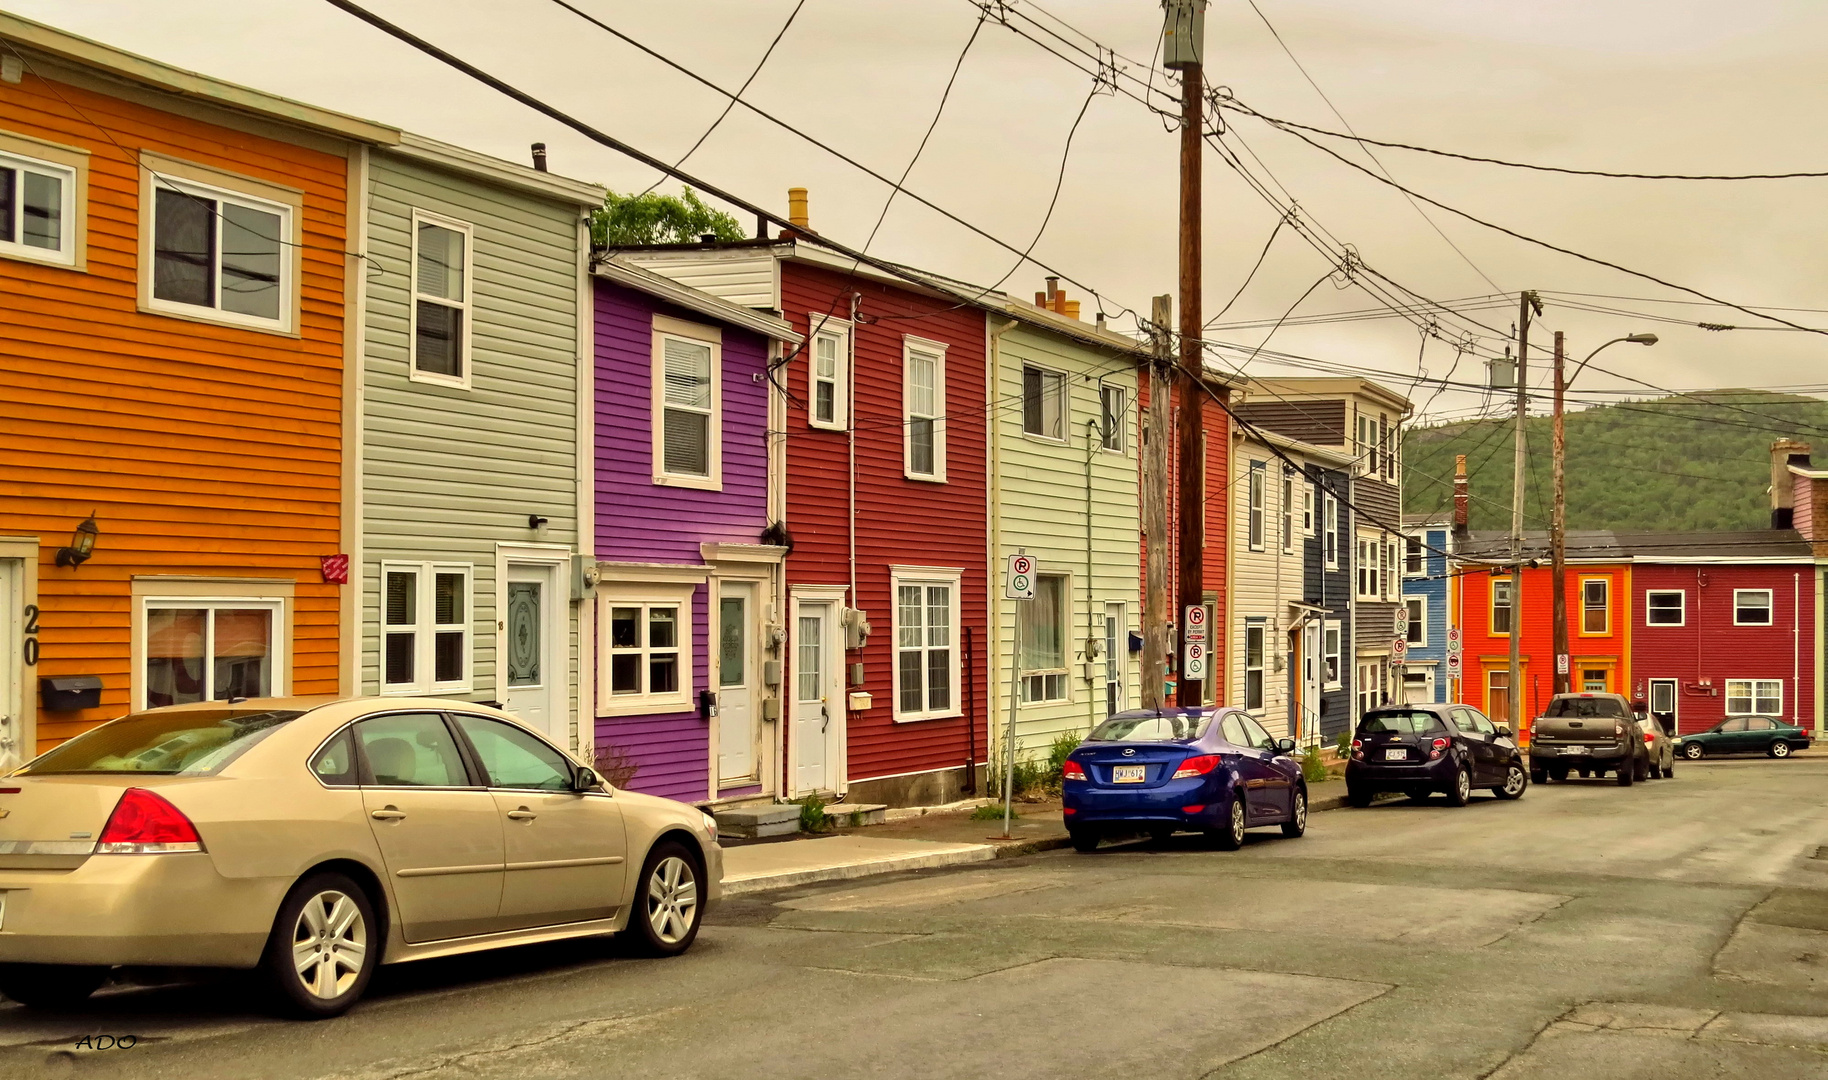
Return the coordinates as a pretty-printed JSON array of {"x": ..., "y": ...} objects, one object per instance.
[{"x": 1213, "y": 770}]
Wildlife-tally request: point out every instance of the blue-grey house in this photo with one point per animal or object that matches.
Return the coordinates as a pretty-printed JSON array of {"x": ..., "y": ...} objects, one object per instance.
[{"x": 1428, "y": 596}]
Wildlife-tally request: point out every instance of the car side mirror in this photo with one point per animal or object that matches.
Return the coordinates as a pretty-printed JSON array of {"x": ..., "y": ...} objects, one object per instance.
[
  {"x": 1640, "y": 717},
  {"x": 586, "y": 779},
  {"x": 1504, "y": 732},
  {"x": 1285, "y": 747}
]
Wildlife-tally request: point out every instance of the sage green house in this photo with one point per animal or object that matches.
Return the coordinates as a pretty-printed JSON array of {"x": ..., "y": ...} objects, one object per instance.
[
  {"x": 1063, "y": 489},
  {"x": 470, "y": 430}
]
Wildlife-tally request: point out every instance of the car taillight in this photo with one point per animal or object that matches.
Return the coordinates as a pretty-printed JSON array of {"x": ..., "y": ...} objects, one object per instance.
[
  {"x": 1649, "y": 738},
  {"x": 1072, "y": 770},
  {"x": 144, "y": 823},
  {"x": 1358, "y": 750},
  {"x": 1197, "y": 766},
  {"x": 1618, "y": 729},
  {"x": 1438, "y": 747}
]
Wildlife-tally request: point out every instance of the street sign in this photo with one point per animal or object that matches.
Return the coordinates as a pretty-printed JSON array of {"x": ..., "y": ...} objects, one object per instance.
[
  {"x": 1453, "y": 663},
  {"x": 1453, "y": 641},
  {"x": 1194, "y": 663},
  {"x": 1193, "y": 642},
  {"x": 1399, "y": 649},
  {"x": 1019, "y": 582},
  {"x": 1561, "y": 663}
]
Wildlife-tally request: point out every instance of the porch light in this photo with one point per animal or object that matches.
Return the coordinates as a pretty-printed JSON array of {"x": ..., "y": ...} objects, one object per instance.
[{"x": 82, "y": 544}]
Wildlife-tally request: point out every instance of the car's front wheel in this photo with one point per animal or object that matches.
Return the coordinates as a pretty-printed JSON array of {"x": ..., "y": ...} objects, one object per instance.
[
  {"x": 667, "y": 901},
  {"x": 1669, "y": 767},
  {"x": 1514, "y": 783},
  {"x": 1231, "y": 836},
  {"x": 1297, "y": 822},
  {"x": 1780, "y": 749},
  {"x": 50, "y": 986},
  {"x": 323, "y": 947},
  {"x": 1693, "y": 751}
]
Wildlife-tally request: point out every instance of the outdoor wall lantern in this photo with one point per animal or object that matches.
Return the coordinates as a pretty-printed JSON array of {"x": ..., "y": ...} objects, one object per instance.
[{"x": 82, "y": 544}]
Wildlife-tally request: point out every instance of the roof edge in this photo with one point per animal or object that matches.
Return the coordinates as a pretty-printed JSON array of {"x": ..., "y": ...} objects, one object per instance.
[
  {"x": 665, "y": 288},
  {"x": 498, "y": 170}
]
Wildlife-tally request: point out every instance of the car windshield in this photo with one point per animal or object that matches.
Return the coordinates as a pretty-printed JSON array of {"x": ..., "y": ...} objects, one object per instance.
[
  {"x": 188, "y": 742},
  {"x": 1581, "y": 708},
  {"x": 1399, "y": 722},
  {"x": 1168, "y": 727}
]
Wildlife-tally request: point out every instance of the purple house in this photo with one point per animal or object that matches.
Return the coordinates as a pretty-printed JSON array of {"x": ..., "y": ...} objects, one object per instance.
[{"x": 688, "y": 586}]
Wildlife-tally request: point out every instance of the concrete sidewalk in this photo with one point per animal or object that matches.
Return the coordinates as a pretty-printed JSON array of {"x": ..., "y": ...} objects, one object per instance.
[{"x": 940, "y": 838}]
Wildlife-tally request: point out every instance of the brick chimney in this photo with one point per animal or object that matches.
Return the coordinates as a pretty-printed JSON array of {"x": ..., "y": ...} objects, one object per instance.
[
  {"x": 1462, "y": 498},
  {"x": 1785, "y": 453}
]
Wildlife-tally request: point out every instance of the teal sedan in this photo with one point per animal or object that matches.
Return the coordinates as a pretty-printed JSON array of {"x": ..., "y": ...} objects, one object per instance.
[{"x": 1745, "y": 735}]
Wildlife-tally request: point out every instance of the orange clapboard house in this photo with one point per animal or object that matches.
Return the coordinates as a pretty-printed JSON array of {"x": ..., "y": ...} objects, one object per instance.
[{"x": 173, "y": 284}]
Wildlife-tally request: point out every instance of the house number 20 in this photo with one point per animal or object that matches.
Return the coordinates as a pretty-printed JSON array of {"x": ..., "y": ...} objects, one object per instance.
[{"x": 31, "y": 635}]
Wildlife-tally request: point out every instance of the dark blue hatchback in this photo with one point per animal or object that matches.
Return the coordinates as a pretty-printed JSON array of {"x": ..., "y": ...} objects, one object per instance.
[{"x": 1213, "y": 770}]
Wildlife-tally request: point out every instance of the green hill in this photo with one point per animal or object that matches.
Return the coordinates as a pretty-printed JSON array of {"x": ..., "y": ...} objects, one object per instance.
[{"x": 1689, "y": 461}]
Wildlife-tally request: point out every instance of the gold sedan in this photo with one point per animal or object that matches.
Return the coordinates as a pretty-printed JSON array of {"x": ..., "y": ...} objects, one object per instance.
[{"x": 316, "y": 839}]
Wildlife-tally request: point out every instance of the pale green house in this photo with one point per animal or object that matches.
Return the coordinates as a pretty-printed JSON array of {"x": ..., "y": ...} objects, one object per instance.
[
  {"x": 1064, "y": 457},
  {"x": 470, "y": 430}
]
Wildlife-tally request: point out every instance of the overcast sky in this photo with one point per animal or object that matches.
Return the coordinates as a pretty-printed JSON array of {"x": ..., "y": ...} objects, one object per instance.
[{"x": 1633, "y": 85}]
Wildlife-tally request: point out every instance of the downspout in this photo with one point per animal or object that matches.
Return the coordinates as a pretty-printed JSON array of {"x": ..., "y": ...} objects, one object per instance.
[
  {"x": 993, "y": 648},
  {"x": 850, "y": 440},
  {"x": 586, "y": 616},
  {"x": 1796, "y": 647},
  {"x": 1093, "y": 432},
  {"x": 352, "y": 608}
]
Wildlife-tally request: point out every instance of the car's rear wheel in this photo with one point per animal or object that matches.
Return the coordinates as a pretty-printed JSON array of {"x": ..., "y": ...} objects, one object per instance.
[
  {"x": 1231, "y": 836},
  {"x": 1422, "y": 795},
  {"x": 1559, "y": 773},
  {"x": 1514, "y": 783},
  {"x": 1358, "y": 796},
  {"x": 50, "y": 986},
  {"x": 1656, "y": 770},
  {"x": 668, "y": 902},
  {"x": 1669, "y": 767},
  {"x": 1297, "y": 822},
  {"x": 1693, "y": 751},
  {"x": 1460, "y": 792},
  {"x": 323, "y": 947},
  {"x": 1780, "y": 749},
  {"x": 1625, "y": 771},
  {"x": 1539, "y": 776},
  {"x": 1084, "y": 840}
]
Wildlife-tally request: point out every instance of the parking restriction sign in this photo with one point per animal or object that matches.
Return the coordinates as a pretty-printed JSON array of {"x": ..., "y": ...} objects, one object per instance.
[
  {"x": 1193, "y": 642},
  {"x": 1019, "y": 582}
]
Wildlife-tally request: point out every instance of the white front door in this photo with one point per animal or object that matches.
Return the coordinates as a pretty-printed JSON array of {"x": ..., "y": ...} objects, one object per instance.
[
  {"x": 1116, "y": 655},
  {"x": 1309, "y": 718},
  {"x": 816, "y": 709},
  {"x": 736, "y": 683},
  {"x": 535, "y": 674},
  {"x": 12, "y": 675}
]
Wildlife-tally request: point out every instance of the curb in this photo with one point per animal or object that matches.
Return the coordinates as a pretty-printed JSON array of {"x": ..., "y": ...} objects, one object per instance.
[{"x": 976, "y": 853}]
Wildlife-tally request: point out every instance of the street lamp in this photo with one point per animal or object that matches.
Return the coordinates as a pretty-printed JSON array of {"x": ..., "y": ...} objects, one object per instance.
[{"x": 1558, "y": 514}]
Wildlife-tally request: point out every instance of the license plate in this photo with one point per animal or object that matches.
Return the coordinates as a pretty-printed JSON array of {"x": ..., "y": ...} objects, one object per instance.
[
  {"x": 1128, "y": 774},
  {"x": 1576, "y": 750},
  {"x": 1396, "y": 755}
]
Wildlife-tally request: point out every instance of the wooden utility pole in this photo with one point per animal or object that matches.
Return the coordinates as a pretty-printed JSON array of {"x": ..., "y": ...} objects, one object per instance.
[
  {"x": 1527, "y": 302},
  {"x": 1155, "y": 506},
  {"x": 1182, "y": 47},
  {"x": 1558, "y": 533}
]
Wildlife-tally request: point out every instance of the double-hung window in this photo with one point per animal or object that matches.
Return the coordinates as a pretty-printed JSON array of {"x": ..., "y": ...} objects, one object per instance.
[
  {"x": 220, "y": 254},
  {"x": 1751, "y": 607},
  {"x": 1416, "y": 630},
  {"x": 441, "y": 299},
  {"x": 210, "y": 649},
  {"x": 1113, "y": 403},
  {"x": 1307, "y": 508},
  {"x": 1367, "y": 447},
  {"x": 1330, "y": 635},
  {"x": 1414, "y": 563},
  {"x": 1595, "y": 605},
  {"x": 645, "y": 655},
  {"x": 924, "y": 406},
  {"x": 38, "y": 205},
  {"x": 1253, "y": 665},
  {"x": 1664, "y": 607},
  {"x": 687, "y": 404},
  {"x": 1368, "y": 574},
  {"x": 1043, "y": 403},
  {"x": 1330, "y": 526},
  {"x": 1254, "y": 520},
  {"x": 1754, "y": 697},
  {"x": 828, "y": 372},
  {"x": 1501, "y": 606},
  {"x": 1288, "y": 512},
  {"x": 926, "y": 643},
  {"x": 425, "y": 627},
  {"x": 1041, "y": 636},
  {"x": 1388, "y": 562}
]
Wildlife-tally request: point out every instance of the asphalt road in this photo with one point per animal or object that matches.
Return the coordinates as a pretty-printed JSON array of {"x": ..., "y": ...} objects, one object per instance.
[{"x": 1675, "y": 929}]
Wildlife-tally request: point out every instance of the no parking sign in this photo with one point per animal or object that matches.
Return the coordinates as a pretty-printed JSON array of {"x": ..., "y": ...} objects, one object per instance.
[{"x": 1019, "y": 582}]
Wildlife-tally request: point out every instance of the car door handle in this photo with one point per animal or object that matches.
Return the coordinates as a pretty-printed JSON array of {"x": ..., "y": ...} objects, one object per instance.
[
  {"x": 523, "y": 814},
  {"x": 388, "y": 814}
]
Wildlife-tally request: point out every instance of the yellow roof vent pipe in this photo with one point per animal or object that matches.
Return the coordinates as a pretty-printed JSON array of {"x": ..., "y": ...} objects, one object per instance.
[{"x": 796, "y": 208}]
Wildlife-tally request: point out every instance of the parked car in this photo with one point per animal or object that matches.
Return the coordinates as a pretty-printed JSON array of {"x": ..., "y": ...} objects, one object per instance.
[
  {"x": 1592, "y": 732},
  {"x": 315, "y": 840},
  {"x": 1422, "y": 749},
  {"x": 1660, "y": 744},
  {"x": 1214, "y": 771},
  {"x": 1745, "y": 735}
]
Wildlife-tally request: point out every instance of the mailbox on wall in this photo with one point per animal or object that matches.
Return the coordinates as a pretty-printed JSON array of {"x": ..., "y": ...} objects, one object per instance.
[{"x": 68, "y": 693}]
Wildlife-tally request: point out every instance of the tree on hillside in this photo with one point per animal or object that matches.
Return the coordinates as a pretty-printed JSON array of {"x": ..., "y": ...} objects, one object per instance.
[{"x": 653, "y": 218}]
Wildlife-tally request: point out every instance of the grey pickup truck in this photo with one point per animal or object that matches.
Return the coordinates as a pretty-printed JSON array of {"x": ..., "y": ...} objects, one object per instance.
[{"x": 1594, "y": 733}]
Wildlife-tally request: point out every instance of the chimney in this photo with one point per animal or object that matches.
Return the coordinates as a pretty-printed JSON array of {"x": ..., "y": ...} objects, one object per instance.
[
  {"x": 539, "y": 157},
  {"x": 1461, "y": 497},
  {"x": 1069, "y": 308},
  {"x": 796, "y": 208},
  {"x": 1785, "y": 453}
]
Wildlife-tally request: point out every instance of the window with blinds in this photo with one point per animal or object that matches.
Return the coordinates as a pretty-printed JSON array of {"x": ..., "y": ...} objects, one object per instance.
[
  {"x": 687, "y": 402},
  {"x": 924, "y": 399},
  {"x": 441, "y": 300},
  {"x": 425, "y": 627}
]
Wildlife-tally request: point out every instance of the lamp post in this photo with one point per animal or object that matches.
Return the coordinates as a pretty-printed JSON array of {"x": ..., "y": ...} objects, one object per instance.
[{"x": 1558, "y": 531}]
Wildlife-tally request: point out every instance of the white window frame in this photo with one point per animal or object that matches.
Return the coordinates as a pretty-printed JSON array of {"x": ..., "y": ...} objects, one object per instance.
[
  {"x": 1390, "y": 567},
  {"x": 1288, "y": 513},
  {"x": 1365, "y": 460},
  {"x": 280, "y": 644},
  {"x": 1114, "y": 425},
  {"x": 1421, "y": 555},
  {"x": 425, "y": 628},
  {"x": 221, "y": 187},
  {"x": 1066, "y": 647},
  {"x": 698, "y": 334},
  {"x": 1255, "y": 492},
  {"x": 1257, "y": 627},
  {"x": 1063, "y": 392},
  {"x": 1332, "y": 648},
  {"x": 647, "y": 595},
  {"x": 1651, "y": 609},
  {"x": 466, "y": 307},
  {"x": 1364, "y": 570},
  {"x": 951, "y": 578},
  {"x": 909, "y": 346},
  {"x": 1307, "y": 507},
  {"x": 839, "y": 331},
  {"x": 20, "y": 155},
  {"x": 1752, "y": 687},
  {"x": 1332, "y": 541},
  {"x": 1415, "y": 620},
  {"x": 1770, "y": 606}
]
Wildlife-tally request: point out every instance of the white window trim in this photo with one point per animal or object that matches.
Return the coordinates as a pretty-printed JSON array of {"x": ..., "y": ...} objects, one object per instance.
[
  {"x": 281, "y": 643},
  {"x": 1390, "y": 577},
  {"x": 1330, "y": 528},
  {"x": 909, "y": 346},
  {"x": 953, "y": 579},
  {"x": 426, "y": 629},
  {"x": 1681, "y": 608},
  {"x": 467, "y": 306},
  {"x": 1261, "y": 668},
  {"x": 1307, "y": 507},
  {"x": 840, "y": 329},
  {"x": 665, "y": 327},
  {"x": 1337, "y": 655},
  {"x": 1770, "y": 607},
  {"x": 1491, "y": 606},
  {"x": 1366, "y": 550},
  {"x": 1256, "y": 509},
  {"x": 1066, "y": 646},
  {"x": 1422, "y": 540},
  {"x": 72, "y": 169},
  {"x": 157, "y": 172},
  {"x": 1421, "y": 643},
  {"x": 1066, "y": 403},
  {"x": 645, "y": 595},
  {"x": 1751, "y": 686},
  {"x": 1287, "y": 515},
  {"x": 1120, "y": 420}
]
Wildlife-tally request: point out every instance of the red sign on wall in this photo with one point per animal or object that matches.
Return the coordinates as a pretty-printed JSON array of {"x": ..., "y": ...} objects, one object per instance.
[{"x": 336, "y": 569}]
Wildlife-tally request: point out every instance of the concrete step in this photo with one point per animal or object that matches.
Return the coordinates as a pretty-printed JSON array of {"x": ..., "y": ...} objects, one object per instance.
[
  {"x": 773, "y": 819},
  {"x": 852, "y": 815}
]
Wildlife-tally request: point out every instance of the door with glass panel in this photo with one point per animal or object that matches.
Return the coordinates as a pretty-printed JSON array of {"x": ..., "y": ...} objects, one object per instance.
[
  {"x": 736, "y": 685},
  {"x": 1116, "y": 640},
  {"x": 815, "y": 708},
  {"x": 1663, "y": 703},
  {"x": 535, "y": 674}
]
